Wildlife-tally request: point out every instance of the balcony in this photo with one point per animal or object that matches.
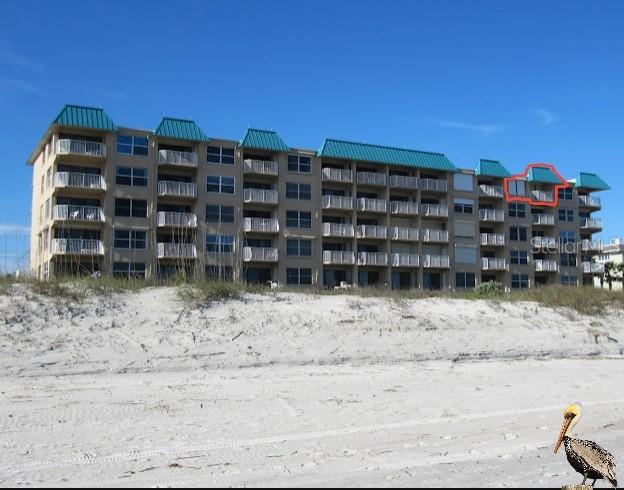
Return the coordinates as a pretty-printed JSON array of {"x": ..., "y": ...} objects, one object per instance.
[
  {"x": 591, "y": 246},
  {"x": 492, "y": 215},
  {"x": 177, "y": 158},
  {"x": 260, "y": 254},
  {"x": 433, "y": 185},
  {"x": 542, "y": 196},
  {"x": 372, "y": 205},
  {"x": 590, "y": 202},
  {"x": 543, "y": 220},
  {"x": 591, "y": 224},
  {"x": 545, "y": 265},
  {"x": 403, "y": 182},
  {"x": 338, "y": 230},
  {"x": 544, "y": 242},
  {"x": 176, "y": 251},
  {"x": 63, "y": 180},
  {"x": 63, "y": 212},
  {"x": 404, "y": 208},
  {"x": 260, "y": 225},
  {"x": 436, "y": 261},
  {"x": 434, "y": 211},
  {"x": 372, "y": 232},
  {"x": 402, "y": 234},
  {"x": 405, "y": 260},
  {"x": 435, "y": 236},
  {"x": 492, "y": 240},
  {"x": 76, "y": 246},
  {"x": 333, "y": 257},
  {"x": 337, "y": 175},
  {"x": 371, "y": 178},
  {"x": 337, "y": 202},
  {"x": 491, "y": 264},
  {"x": 176, "y": 220},
  {"x": 261, "y": 167},
  {"x": 373, "y": 258},
  {"x": 592, "y": 268},
  {"x": 493, "y": 191},
  {"x": 92, "y": 149},
  {"x": 176, "y": 189},
  {"x": 260, "y": 196}
]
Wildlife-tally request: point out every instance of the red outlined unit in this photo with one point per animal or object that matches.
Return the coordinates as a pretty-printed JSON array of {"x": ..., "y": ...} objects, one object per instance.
[{"x": 523, "y": 176}]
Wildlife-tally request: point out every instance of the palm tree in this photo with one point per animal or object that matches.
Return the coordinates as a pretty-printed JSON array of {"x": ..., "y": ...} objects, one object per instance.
[{"x": 611, "y": 273}]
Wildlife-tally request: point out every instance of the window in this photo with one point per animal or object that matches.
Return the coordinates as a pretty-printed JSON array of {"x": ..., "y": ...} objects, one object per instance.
[
  {"x": 464, "y": 206},
  {"x": 465, "y": 280},
  {"x": 519, "y": 281},
  {"x": 566, "y": 215},
  {"x": 568, "y": 260},
  {"x": 517, "y": 187},
  {"x": 219, "y": 154},
  {"x": 222, "y": 273},
  {"x": 299, "y": 276},
  {"x": 221, "y": 185},
  {"x": 130, "y": 239},
  {"x": 464, "y": 229},
  {"x": 465, "y": 255},
  {"x": 221, "y": 244},
  {"x": 518, "y": 234},
  {"x": 298, "y": 219},
  {"x": 299, "y": 248},
  {"x": 219, "y": 214},
  {"x": 49, "y": 178},
  {"x": 298, "y": 163},
  {"x": 131, "y": 176},
  {"x": 517, "y": 210},
  {"x": 569, "y": 280},
  {"x": 567, "y": 237},
  {"x": 132, "y": 145},
  {"x": 519, "y": 257},
  {"x": 135, "y": 208},
  {"x": 298, "y": 191},
  {"x": 463, "y": 182},
  {"x": 565, "y": 194},
  {"x": 129, "y": 269}
]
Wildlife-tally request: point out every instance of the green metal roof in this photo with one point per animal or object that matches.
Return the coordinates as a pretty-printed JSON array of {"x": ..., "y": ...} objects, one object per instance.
[
  {"x": 592, "y": 182},
  {"x": 347, "y": 150},
  {"x": 263, "y": 140},
  {"x": 543, "y": 175},
  {"x": 491, "y": 168},
  {"x": 84, "y": 117},
  {"x": 180, "y": 129}
]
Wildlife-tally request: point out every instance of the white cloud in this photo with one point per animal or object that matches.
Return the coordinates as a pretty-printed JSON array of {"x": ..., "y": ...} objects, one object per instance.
[
  {"x": 547, "y": 118},
  {"x": 485, "y": 129},
  {"x": 9, "y": 229}
]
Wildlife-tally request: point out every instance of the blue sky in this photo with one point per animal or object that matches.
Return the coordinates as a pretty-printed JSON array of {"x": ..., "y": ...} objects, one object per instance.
[{"x": 520, "y": 82}]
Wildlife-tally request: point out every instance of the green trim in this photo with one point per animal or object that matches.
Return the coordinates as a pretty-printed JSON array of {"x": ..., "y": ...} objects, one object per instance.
[
  {"x": 84, "y": 117},
  {"x": 590, "y": 181},
  {"x": 492, "y": 168},
  {"x": 543, "y": 175},
  {"x": 180, "y": 129},
  {"x": 262, "y": 139}
]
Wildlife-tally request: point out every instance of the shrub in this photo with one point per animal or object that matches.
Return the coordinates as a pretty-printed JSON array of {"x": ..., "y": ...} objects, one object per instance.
[{"x": 490, "y": 289}]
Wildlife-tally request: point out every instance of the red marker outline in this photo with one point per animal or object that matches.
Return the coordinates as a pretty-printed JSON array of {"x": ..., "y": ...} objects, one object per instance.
[{"x": 509, "y": 198}]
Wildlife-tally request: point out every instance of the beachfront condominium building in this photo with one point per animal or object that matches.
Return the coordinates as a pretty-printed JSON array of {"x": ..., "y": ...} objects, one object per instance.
[{"x": 156, "y": 203}]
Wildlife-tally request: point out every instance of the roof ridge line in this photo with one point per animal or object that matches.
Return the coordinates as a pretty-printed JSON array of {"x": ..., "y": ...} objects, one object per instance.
[{"x": 384, "y": 146}]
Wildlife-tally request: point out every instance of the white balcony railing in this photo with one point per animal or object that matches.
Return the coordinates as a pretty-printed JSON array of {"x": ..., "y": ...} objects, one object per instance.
[
  {"x": 433, "y": 185},
  {"x": 492, "y": 240},
  {"x": 176, "y": 251},
  {"x": 372, "y": 231},
  {"x": 405, "y": 260},
  {"x": 403, "y": 182},
  {"x": 372, "y": 258},
  {"x": 337, "y": 202},
  {"x": 76, "y": 246},
  {"x": 591, "y": 224},
  {"x": 260, "y": 196},
  {"x": 337, "y": 257},
  {"x": 436, "y": 261},
  {"x": 64, "y": 212},
  {"x": 541, "y": 265},
  {"x": 405, "y": 208},
  {"x": 494, "y": 215},
  {"x": 260, "y": 225},
  {"x": 338, "y": 230},
  {"x": 434, "y": 210},
  {"x": 371, "y": 178},
  {"x": 79, "y": 181},
  {"x": 80, "y": 147},
  {"x": 372, "y": 205},
  {"x": 495, "y": 191},
  {"x": 260, "y": 167},
  {"x": 177, "y": 220},
  {"x": 435, "y": 236},
  {"x": 590, "y": 202},
  {"x": 177, "y": 158},
  {"x": 492, "y": 264},
  {"x": 260, "y": 254},
  {"x": 178, "y": 189},
  {"x": 543, "y": 219},
  {"x": 592, "y": 268},
  {"x": 404, "y": 234},
  {"x": 542, "y": 196},
  {"x": 543, "y": 242},
  {"x": 337, "y": 175}
]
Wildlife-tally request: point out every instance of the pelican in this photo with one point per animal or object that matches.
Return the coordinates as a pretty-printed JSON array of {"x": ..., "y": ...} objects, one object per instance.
[{"x": 586, "y": 457}]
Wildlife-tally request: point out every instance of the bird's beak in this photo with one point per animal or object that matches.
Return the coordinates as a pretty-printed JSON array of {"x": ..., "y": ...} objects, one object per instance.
[{"x": 562, "y": 432}]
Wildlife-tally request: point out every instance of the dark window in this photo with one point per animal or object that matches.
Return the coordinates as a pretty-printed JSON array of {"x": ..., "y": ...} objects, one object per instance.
[
  {"x": 299, "y": 248},
  {"x": 568, "y": 260},
  {"x": 298, "y": 191},
  {"x": 298, "y": 163},
  {"x": 567, "y": 237},
  {"x": 519, "y": 281},
  {"x": 566, "y": 215},
  {"x": 298, "y": 276},
  {"x": 517, "y": 187},
  {"x": 219, "y": 154},
  {"x": 129, "y": 269},
  {"x": 518, "y": 234},
  {"x": 131, "y": 176},
  {"x": 219, "y": 273},
  {"x": 518, "y": 257},
  {"x": 219, "y": 214},
  {"x": 221, "y": 185},
  {"x": 220, "y": 244},
  {"x": 464, "y": 206},
  {"x": 465, "y": 280},
  {"x": 135, "y": 208},
  {"x": 298, "y": 219},
  {"x": 132, "y": 145},
  {"x": 569, "y": 280},
  {"x": 565, "y": 194},
  {"x": 130, "y": 239},
  {"x": 517, "y": 210}
]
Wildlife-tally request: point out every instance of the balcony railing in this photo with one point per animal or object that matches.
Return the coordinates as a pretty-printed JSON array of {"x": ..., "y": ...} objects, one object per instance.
[
  {"x": 543, "y": 219},
  {"x": 260, "y": 225},
  {"x": 403, "y": 182},
  {"x": 592, "y": 268},
  {"x": 543, "y": 242},
  {"x": 405, "y": 260},
  {"x": 260, "y": 196},
  {"x": 80, "y": 147},
  {"x": 434, "y": 210},
  {"x": 333, "y": 257},
  {"x": 337, "y": 175},
  {"x": 260, "y": 254},
  {"x": 541, "y": 265},
  {"x": 372, "y": 231},
  {"x": 591, "y": 224},
  {"x": 372, "y": 258},
  {"x": 492, "y": 240},
  {"x": 371, "y": 178},
  {"x": 177, "y": 158},
  {"x": 542, "y": 196},
  {"x": 491, "y": 191},
  {"x": 404, "y": 234},
  {"x": 261, "y": 167},
  {"x": 494, "y": 215},
  {"x": 436, "y": 261},
  {"x": 177, "y": 189},
  {"x": 64, "y": 212},
  {"x": 491, "y": 264},
  {"x": 79, "y": 181},
  {"x": 435, "y": 236},
  {"x": 337, "y": 202},
  {"x": 594, "y": 246},
  {"x": 176, "y": 251},
  {"x": 338, "y": 230},
  {"x": 433, "y": 185},
  {"x": 76, "y": 246},
  {"x": 406, "y": 208},
  {"x": 177, "y": 220},
  {"x": 372, "y": 205},
  {"x": 590, "y": 202}
]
